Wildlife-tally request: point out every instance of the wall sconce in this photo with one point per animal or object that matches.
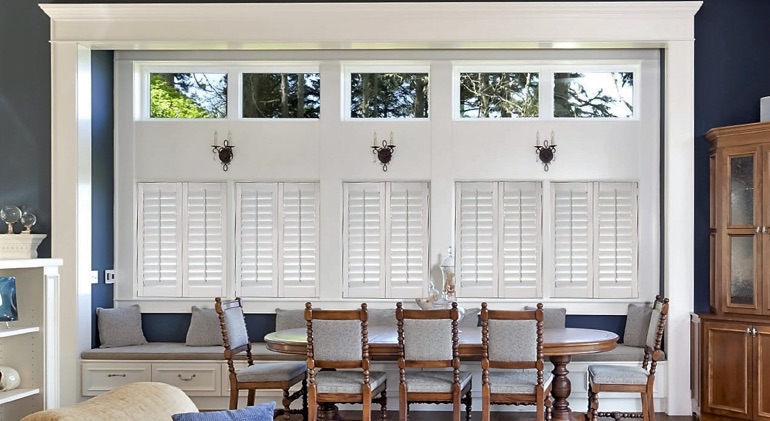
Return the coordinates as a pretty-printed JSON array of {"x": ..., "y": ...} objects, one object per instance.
[
  {"x": 546, "y": 153},
  {"x": 224, "y": 152},
  {"x": 383, "y": 151}
]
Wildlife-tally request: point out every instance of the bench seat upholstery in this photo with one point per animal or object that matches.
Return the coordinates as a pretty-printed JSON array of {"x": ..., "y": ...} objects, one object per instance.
[{"x": 175, "y": 351}]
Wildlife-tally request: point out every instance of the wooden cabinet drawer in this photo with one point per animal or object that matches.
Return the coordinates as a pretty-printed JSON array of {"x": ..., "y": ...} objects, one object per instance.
[
  {"x": 199, "y": 379},
  {"x": 100, "y": 377}
]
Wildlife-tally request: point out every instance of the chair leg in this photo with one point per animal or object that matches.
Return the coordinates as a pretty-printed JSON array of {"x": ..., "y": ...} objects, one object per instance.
[
  {"x": 286, "y": 405},
  {"x": 250, "y": 397},
  {"x": 651, "y": 406},
  {"x": 548, "y": 405},
  {"x": 468, "y": 403},
  {"x": 403, "y": 406},
  {"x": 233, "y": 398},
  {"x": 304, "y": 399},
  {"x": 593, "y": 404},
  {"x": 383, "y": 406},
  {"x": 645, "y": 406}
]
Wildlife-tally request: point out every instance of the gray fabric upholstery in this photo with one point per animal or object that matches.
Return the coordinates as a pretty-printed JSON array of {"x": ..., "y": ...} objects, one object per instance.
[
  {"x": 382, "y": 317},
  {"x": 613, "y": 374},
  {"x": 341, "y": 381},
  {"x": 204, "y": 328},
  {"x": 620, "y": 353},
  {"x": 290, "y": 319},
  {"x": 175, "y": 351},
  {"x": 337, "y": 340},
  {"x": 270, "y": 372},
  {"x": 471, "y": 318},
  {"x": 120, "y": 326},
  {"x": 434, "y": 381},
  {"x": 553, "y": 318},
  {"x": 652, "y": 332},
  {"x": 428, "y": 340},
  {"x": 513, "y": 340},
  {"x": 516, "y": 381},
  {"x": 236, "y": 327},
  {"x": 637, "y": 323}
]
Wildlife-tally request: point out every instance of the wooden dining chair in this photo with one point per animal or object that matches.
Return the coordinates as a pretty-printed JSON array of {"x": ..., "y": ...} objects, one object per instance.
[
  {"x": 338, "y": 362},
  {"x": 283, "y": 375},
  {"x": 612, "y": 378},
  {"x": 512, "y": 361},
  {"x": 429, "y": 339}
]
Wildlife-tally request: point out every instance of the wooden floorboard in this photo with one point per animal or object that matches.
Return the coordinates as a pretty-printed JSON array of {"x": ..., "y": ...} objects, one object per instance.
[{"x": 447, "y": 416}]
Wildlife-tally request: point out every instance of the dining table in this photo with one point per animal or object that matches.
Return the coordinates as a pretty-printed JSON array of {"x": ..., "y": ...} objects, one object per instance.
[{"x": 559, "y": 345}]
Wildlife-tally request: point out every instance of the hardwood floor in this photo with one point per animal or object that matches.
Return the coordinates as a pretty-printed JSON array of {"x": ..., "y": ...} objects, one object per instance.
[{"x": 497, "y": 416}]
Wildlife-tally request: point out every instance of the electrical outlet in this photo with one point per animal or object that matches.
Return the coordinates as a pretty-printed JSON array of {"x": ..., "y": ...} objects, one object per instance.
[
  {"x": 94, "y": 276},
  {"x": 109, "y": 276}
]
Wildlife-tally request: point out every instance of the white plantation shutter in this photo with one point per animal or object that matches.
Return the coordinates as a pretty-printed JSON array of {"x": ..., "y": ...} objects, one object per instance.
[
  {"x": 256, "y": 239},
  {"x": 520, "y": 241},
  {"x": 364, "y": 239},
  {"x": 616, "y": 240},
  {"x": 477, "y": 240},
  {"x": 408, "y": 239},
  {"x": 159, "y": 240},
  {"x": 299, "y": 240},
  {"x": 204, "y": 240},
  {"x": 572, "y": 232}
]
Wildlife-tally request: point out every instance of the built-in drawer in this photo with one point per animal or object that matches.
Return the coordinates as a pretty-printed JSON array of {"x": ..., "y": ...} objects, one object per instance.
[
  {"x": 195, "y": 379},
  {"x": 100, "y": 377}
]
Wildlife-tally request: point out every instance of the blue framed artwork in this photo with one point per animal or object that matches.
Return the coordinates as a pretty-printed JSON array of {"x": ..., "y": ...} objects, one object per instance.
[{"x": 9, "y": 311}]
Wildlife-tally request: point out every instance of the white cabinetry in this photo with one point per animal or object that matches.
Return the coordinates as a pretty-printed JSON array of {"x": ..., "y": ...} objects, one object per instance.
[{"x": 31, "y": 344}]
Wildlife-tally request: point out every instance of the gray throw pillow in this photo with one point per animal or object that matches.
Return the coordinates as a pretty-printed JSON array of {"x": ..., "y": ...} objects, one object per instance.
[
  {"x": 290, "y": 319},
  {"x": 204, "y": 328},
  {"x": 120, "y": 326},
  {"x": 382, "y": 317},
  {"x": 637, "y": 325},
  {"x": 470, "y": 318},
  {"x": 553, "y": 318}
]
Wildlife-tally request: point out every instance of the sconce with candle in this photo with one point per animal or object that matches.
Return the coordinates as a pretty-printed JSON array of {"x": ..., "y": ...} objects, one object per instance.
[
  {"x": 546, "y": 153},
  {"x": 383, "y": 150},
  {"x": 224, "y": 152}
]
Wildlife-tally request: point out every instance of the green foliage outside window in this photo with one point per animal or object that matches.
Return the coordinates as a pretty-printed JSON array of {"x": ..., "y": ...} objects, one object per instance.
[
  {"x": 188, "y": 95},
  {"x": 389, "y": 95},
  {"x": 499, "y": 95},
  {"x": 281, "y": 95}
]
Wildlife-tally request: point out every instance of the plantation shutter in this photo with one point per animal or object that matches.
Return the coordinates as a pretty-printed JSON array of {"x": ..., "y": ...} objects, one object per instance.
[
  {"x": 299, "y": 240},
  {"x": 572, "y": 229},
  {"x": 477, "y": 239},
  {"x": 159, "y": 241},
  {"x": 616, "y": 244},
  {"x": 256, "y": 239},
  {"x": 407, "y": 239},
  {"x": 520, "y": 239},
  {"x": 204, "y": 240},
  {"x": 364, "y": 245}
]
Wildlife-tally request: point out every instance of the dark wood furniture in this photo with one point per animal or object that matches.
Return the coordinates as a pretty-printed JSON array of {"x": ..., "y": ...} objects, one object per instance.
[
  {"x": 732, "y": 341},
  {"x": 608, "y": 378},
  {"x": 504, "y": 348},
  {"x": 257, "y": 377},
  {"x": 338, "y": 339},
  {"x": 558, "y": 344}
]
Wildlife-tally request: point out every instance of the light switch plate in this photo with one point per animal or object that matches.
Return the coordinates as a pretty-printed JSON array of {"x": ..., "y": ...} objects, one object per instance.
[
  {"x": 109, "y": 276},
  {"x": 94, "y": 276}
]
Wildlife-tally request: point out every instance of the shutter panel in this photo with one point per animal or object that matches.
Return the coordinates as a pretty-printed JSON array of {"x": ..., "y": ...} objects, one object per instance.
[
  {"x": 299, "y": 240},
  {"x": 477, "y": 239},
  {"x": 520, "y": 239},
  {"x": 256, "y": 232},
  {"x": 616, "y": 244},
  {"x": 408, "y": 239},
  {"x": 159, "y": 240},
  {"x": 572, "y": 240},
  {"x": 364, "y": 240},
  {"x": 204, "y": 240}
]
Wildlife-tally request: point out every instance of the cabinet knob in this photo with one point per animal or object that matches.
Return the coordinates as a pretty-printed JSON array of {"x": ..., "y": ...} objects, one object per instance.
[
  {"x": 764, "y": 230},
  {"x": 759, "y": 229},
  {"x": 753, "y": 331},
  {"x": 748, "y": 330}
]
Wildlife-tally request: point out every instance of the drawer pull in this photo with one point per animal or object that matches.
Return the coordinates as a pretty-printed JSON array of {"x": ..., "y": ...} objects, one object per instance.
[
  {"x": 185, "y": 379},
  {"x": 116, "y": 375}
]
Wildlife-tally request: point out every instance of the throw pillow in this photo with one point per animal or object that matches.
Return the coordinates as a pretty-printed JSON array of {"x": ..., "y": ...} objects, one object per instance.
[
  {"x": 290, "y": 319},
  {"x": 553, "y": 318},
  {"x": 261, "y": 412},
  {"x": 637, "y": 325},
  {"x": 120, "y": 326},
  {"x": 470, "y": 318},
  {"x": 204, "y": 328}
]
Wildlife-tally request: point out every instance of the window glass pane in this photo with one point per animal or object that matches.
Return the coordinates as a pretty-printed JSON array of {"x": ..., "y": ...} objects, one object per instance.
[
  {"x": 498, "y": 95},
  {"x": 281, "y": 95},
  {"x": 188, "y": 95},
  {"x": 590, "y": 95},
  {"x": 389, "y": 95}
]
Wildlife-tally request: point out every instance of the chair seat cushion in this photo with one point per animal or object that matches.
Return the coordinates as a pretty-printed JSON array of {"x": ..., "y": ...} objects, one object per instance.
[
  {"x": 270, "y": 372},
  {"x": 516, "y": 381},
  {"x": 614, "y": 374},
  {"x": 434, "y": 381},
  {"x": 346, "y": 381}
]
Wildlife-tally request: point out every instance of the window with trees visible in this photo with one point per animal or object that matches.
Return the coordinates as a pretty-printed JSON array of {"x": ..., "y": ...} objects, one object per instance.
[
  {"x": 281, "y": 95},
  {"x": 393, "y": 94},
  {"x": 499, "y": 95},
  {"x": 594, "y": 94},
  {"x": 188, "y": 95}
]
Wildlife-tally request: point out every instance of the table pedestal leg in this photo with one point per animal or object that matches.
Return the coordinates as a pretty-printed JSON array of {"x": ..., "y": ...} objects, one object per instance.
[
  {"x": 328, "y": 412},
  {"x": 561, "y": 387}
]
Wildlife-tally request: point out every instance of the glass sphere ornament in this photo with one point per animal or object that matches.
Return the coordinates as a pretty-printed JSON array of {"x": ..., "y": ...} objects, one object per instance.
[
  {"x": 28, "y": 220},
  {"x": 10, "y": 215}
]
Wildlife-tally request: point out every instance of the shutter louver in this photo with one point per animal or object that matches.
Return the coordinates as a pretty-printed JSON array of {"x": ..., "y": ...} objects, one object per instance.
[
  {"x": 477, "y": 239},
  {"x": 255, "y": 227},
  {"x": 364, "y": 242},
  {"x": 159, "y": 240},
  {"x": 408, "y": 239},
  {"x": 520, "y": 240},
  {"x": 299, "y": 240},
  {"x": 572, "y": 240},
  {"x": 204, "y": 240},
  {"x": 616, "y": 245}
]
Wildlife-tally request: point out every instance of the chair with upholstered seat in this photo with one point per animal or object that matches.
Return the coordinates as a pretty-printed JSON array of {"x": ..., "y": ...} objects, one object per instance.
[
  {"x": 512, "y": 361},
  {"x": 427, "y": 340},
  {"x": 255, "y": 377},
  {"x": 338, "y": 361},
  {"x": 611, "y": 378}
]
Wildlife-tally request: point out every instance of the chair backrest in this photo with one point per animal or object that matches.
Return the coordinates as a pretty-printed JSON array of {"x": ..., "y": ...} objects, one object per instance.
[
  {"x": 337, "y": 338},
  {"x": 234, "y": 334},
  {"x": 652, "y": 346},
  {"x": 512, "y": 339},
  {"x": 428, "y": 338}
]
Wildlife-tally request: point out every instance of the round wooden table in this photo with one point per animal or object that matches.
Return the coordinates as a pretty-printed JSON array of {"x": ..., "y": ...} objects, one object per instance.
[{"x": 558, "y": 344}]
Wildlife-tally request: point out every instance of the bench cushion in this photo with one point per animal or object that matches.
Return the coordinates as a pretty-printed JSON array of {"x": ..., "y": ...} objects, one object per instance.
[
  {"x": 178, "y": 351},
  {"x": 620, "y": 353}
]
